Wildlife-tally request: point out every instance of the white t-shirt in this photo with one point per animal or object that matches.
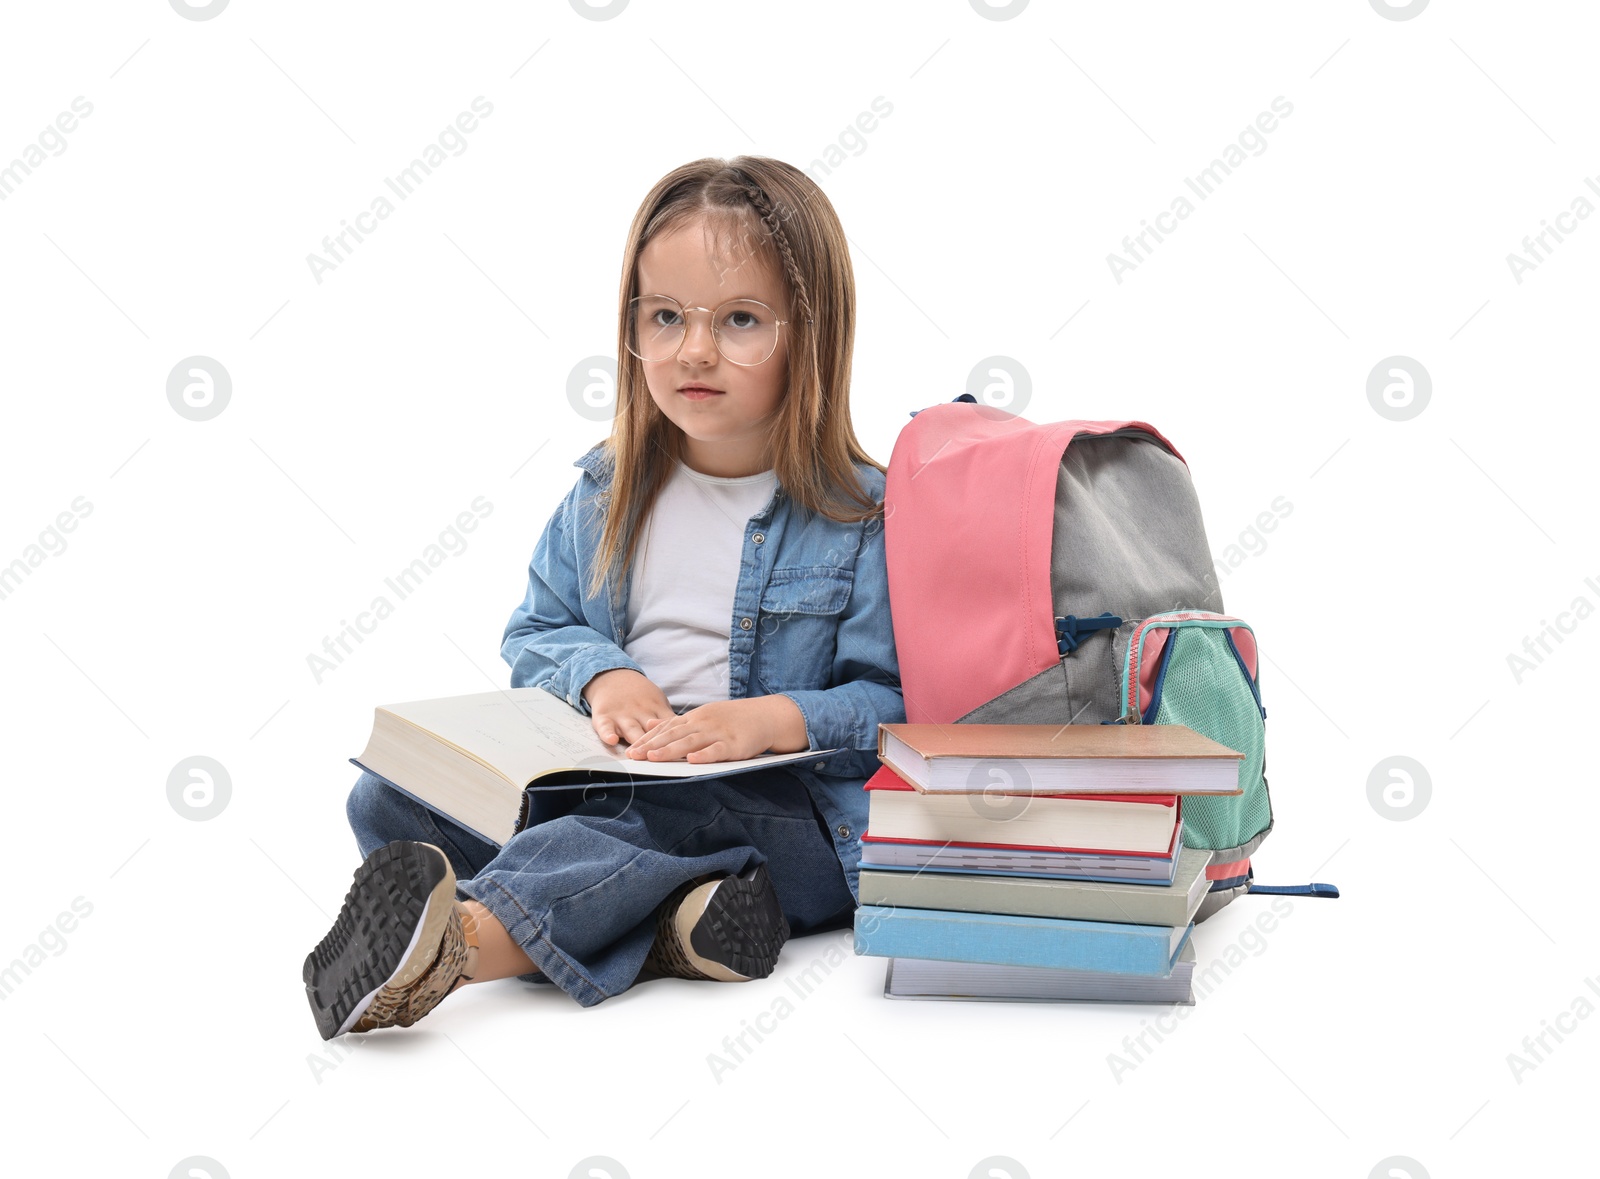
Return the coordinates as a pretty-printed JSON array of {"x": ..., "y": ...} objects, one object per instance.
[{"x": 685, "y": 571}]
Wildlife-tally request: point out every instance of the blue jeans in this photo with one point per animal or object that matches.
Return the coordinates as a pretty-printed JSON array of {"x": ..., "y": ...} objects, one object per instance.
[{"x": 577, "y": 891}]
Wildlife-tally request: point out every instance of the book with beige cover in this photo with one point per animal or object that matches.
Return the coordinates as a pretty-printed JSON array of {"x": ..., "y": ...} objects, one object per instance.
[
  {"x": 1045, "y": 759},
  {"x": 476, "y": 759}
]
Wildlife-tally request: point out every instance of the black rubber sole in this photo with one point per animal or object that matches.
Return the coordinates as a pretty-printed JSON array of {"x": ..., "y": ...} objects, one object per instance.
[
  {"x": 400, "y": 893},
  {"x": 743, "y": 927}
]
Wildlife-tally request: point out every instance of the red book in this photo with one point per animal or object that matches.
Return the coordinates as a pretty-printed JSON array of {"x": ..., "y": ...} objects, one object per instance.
[{"x": 1103, "y": 824}]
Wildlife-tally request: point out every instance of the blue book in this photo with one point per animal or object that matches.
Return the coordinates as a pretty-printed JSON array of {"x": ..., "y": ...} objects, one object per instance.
[{"x": 954, "y": 936}]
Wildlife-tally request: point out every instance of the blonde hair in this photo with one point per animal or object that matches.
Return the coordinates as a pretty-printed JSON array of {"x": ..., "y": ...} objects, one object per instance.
[{"x": 785, "y": 219}]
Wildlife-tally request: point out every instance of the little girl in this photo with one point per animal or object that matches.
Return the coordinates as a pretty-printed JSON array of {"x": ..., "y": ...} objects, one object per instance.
[{"x": 713, "y": 588}]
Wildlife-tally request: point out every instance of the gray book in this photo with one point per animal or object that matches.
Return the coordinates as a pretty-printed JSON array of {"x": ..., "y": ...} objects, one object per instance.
[
  {"x": 1034, "y": 896},
  {"x": 929, "y": 978}
]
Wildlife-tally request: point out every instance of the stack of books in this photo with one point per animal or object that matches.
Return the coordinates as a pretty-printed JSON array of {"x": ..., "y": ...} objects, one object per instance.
[{"x": 1036, "y": 862}]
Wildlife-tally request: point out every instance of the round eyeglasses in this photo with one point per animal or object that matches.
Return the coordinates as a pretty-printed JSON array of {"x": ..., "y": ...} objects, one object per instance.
[{"x": 745, "y": 331}]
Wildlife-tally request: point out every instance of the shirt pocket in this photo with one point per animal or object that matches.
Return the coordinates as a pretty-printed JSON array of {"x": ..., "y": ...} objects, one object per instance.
[{"x": 797, "y": 628}]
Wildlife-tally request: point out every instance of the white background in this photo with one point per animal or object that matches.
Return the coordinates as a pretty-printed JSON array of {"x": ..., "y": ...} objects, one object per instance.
[{"x": 371, "y": 408}]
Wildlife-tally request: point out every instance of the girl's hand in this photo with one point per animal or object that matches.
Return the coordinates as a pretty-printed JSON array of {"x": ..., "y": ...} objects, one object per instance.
[
  {"x": 623, "y": 705},
  {"x": 723, "y": 730}
]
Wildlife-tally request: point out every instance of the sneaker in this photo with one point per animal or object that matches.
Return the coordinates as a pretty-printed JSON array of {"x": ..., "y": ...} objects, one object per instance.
[
  {"x": 396, "y": 949},
  {"x": 728, "y": 928}
]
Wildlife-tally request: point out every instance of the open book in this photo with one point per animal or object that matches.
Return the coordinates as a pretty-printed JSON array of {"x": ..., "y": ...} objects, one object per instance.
[{"x": 478, "y": 759}]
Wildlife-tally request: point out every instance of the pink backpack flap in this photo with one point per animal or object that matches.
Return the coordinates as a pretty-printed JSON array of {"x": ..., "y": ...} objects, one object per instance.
[{"x": 970, "y": 524}]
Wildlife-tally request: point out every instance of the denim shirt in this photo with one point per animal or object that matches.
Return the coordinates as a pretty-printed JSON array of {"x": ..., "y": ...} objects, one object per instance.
[{"x": 810, "y": 621}]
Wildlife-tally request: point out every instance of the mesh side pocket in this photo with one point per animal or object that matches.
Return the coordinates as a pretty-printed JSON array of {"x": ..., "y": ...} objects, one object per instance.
[{"x": 1205, "y": 689}]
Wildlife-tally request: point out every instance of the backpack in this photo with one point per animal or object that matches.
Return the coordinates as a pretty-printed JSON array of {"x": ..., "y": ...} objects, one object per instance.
[{"x": 1060, "y": 574}]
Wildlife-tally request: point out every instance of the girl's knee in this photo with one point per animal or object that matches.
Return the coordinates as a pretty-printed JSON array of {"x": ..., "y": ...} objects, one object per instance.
[{"x": 373, "y": 805}]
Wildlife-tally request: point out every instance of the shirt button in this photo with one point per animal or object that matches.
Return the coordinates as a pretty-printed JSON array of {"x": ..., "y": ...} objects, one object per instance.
[
  {"x": 819, "y": 765},
  {"x": 844, "y": 831},
  {"x": 745, "y": 624},
  {"x": 759, "y": 537}
]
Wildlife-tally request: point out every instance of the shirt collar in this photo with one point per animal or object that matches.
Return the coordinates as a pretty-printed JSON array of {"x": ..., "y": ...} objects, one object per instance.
[{"x": 594, "y": 461}]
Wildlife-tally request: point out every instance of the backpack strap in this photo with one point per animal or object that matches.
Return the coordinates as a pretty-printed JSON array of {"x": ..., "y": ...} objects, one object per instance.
[
  {"x": 1227, "y": 876},
  {"x": 1295, "y": 890}
]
